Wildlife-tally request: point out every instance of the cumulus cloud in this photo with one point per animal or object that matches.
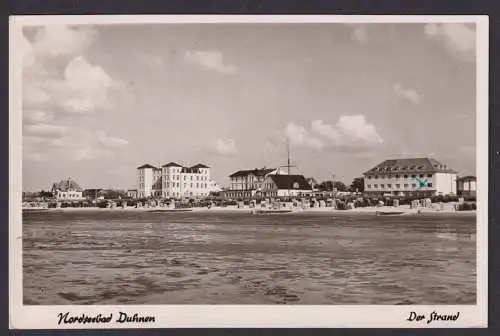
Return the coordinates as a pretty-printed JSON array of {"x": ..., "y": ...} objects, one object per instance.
[
  {"x": 352, "y": 131},
  {"x": 407, "y": 94},
  {"x": 58, "y": 78},
  {"x": 458, "y": 38},
  {"x": 225, "y": 146},
  {"x": 212, "y": 60}
]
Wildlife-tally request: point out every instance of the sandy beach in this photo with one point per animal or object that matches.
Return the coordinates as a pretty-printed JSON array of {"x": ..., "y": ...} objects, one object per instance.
[{"x": 234, "y": 209}]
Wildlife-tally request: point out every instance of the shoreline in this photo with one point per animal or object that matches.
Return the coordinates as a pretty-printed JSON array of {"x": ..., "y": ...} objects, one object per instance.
[{"x": 405, "y": 210}]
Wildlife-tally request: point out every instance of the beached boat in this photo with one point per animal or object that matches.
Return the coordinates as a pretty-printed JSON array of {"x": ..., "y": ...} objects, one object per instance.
[
  {"x": 390, "y": 213},
  {"x": 271, "y": 211},
  {"x": 171, "y": 210}
]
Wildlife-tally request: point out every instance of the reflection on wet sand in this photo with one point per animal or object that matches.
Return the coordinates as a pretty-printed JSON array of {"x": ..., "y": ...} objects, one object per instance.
[{"x": 190, "y": 258}]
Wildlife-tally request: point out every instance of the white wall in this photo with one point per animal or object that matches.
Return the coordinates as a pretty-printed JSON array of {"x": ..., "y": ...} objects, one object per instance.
[
  {"x": 146, "y": 181},
  {"x": 446, "y": 183},
  {"x": 390, "y": 182},
  {"x": 293, "y": 193}
]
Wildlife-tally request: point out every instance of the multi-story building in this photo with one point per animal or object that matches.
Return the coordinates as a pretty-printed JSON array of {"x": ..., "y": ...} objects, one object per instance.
[
  {"x": 466, "y": 186},
  {"x": 245, "y": 183},
  {"x": 415, "y": 176},
  {"x": 173, "y": 180},
  {"x": 67, "y": 190}
]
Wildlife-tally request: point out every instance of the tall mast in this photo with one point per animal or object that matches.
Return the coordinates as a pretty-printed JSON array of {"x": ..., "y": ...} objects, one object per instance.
[{"x": 288, "y": 152}]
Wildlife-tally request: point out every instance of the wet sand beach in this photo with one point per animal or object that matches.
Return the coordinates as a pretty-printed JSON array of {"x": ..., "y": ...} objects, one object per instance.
[{"x": 105, "y": 256}]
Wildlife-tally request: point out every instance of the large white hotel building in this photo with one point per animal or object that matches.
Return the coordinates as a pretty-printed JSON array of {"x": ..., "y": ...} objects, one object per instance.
[
  {"x": 421, "y": 176},
  {"x": 173, "y": 180}
]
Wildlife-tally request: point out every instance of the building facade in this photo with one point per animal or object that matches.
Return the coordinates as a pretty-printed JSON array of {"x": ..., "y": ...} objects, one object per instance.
[
  {"x": 246, "y": 183},
  {"x": 466, "y": 186},
  {"x": 415, "y": 176},
  {"x": 173, "y": 180},
  {"x": 286, "y": 186},
  {"x": 67, "y": 190}
]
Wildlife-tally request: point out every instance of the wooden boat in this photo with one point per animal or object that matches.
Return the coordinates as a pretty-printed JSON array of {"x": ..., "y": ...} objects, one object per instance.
[
  {"x": 271, "y": 211},
  {"x": 390, "y": 213},
  {"x": 170, "y": 210}
]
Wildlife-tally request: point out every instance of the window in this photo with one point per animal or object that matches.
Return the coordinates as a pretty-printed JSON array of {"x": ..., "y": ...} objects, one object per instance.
[
  {"x": 369, "y": 177},
  {"x": 398, "y": 185},
  {"x": 429, "y": 185},
  {"x": 406, "y": 176},
  {"x": 429, "y": 175},
  {"x": 406, "y": 185},
  {"x": 413, "y": 185},
  {"x": 375, "y": 186},
  {"x": 397, "y": 176},
  {"x": 197, "y": 186},
  {"x": 177, "y": 184},
  {"x": 421, "y": 175},
  {"x": 413, "y": 176},
  {"x": 382, "y": 186},
  {"x": 375, "y": 177},
  {"x": 191, "y": 185},
  {"x": 389, "y": 186}
]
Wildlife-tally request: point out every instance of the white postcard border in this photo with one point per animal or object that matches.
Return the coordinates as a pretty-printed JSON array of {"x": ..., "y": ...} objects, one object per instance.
[{"x": 179, "y": 316}]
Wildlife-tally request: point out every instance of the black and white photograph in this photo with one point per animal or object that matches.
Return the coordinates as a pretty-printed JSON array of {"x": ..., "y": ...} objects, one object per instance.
[{"x": 207, "y": 171}]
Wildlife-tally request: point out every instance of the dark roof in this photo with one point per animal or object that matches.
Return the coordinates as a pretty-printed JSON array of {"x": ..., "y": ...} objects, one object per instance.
[
  {"x": 289, "y": 181},
  {"x": 172, "y": 164},
  {"x": 414, "y": 165},
  {"x": 200, "y": 165},
  {"x": 66, "y": 185},
  {"x": 147, "y": 165},
  {"x": 467, "y": 178},
  {"x": 191, "y": 170},
  {"x": 256, "y": 172}
]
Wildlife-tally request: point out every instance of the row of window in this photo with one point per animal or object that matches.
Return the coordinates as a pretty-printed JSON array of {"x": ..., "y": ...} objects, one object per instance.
[
  {"x": 175, "y": 184},
  {"x": 398, "y": 186},
  {"x": 398, "y": 176}
]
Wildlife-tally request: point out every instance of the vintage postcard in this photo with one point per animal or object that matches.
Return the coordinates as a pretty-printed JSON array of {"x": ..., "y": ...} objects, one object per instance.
[{"x": 248, "y": 171}]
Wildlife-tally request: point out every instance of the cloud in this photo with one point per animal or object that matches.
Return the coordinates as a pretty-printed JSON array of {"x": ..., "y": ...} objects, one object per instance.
[
  {"x": 408, "y": 94},
  {"x": 212, "y": 60},
  {"x": 352, "y": 133},
  {"x": 57, "y": 77},
  {"x": 295, "y": 133},
  {"x": 458, "y": 38},
  {"x": 153, "y": 62},
  {"x": 59, "y": 142},
  {"x": 35, "y": 117},
  {"x": 45, "y": 130},
  {"x": 36, "y": 157},
  {"x": 225, "y": 146},
  {"x": 359, "y": 32}
]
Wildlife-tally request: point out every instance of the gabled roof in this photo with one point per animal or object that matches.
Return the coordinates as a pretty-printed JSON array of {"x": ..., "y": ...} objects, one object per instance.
[
  {"x": 467, "y": 178},
  {"x": 256, "y": 172},
  {"x": 290, "y": 182},
  {"x": 412, "y": 165},
  {"x": 172, "y": 164},
  {"x": 66, "y": 185},
  {"x": 200, "y": 165},
  {"x": 147, "y": 165}
]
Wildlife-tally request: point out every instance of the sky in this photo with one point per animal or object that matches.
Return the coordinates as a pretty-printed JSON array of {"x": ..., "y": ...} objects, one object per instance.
[{"x": 98, "y": 101}]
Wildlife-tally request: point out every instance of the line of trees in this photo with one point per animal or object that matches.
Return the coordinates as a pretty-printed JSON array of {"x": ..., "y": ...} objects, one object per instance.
[{"x": 357, "y": 185}]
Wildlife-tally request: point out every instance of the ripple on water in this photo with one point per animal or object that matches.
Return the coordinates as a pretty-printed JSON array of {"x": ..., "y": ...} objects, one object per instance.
[{"x": 137, "y": 258}]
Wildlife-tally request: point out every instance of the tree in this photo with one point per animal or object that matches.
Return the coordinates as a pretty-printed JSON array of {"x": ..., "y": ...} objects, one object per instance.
[
  {"x": 358, "y": 184},
  {"x": 340, "y": 186}
]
